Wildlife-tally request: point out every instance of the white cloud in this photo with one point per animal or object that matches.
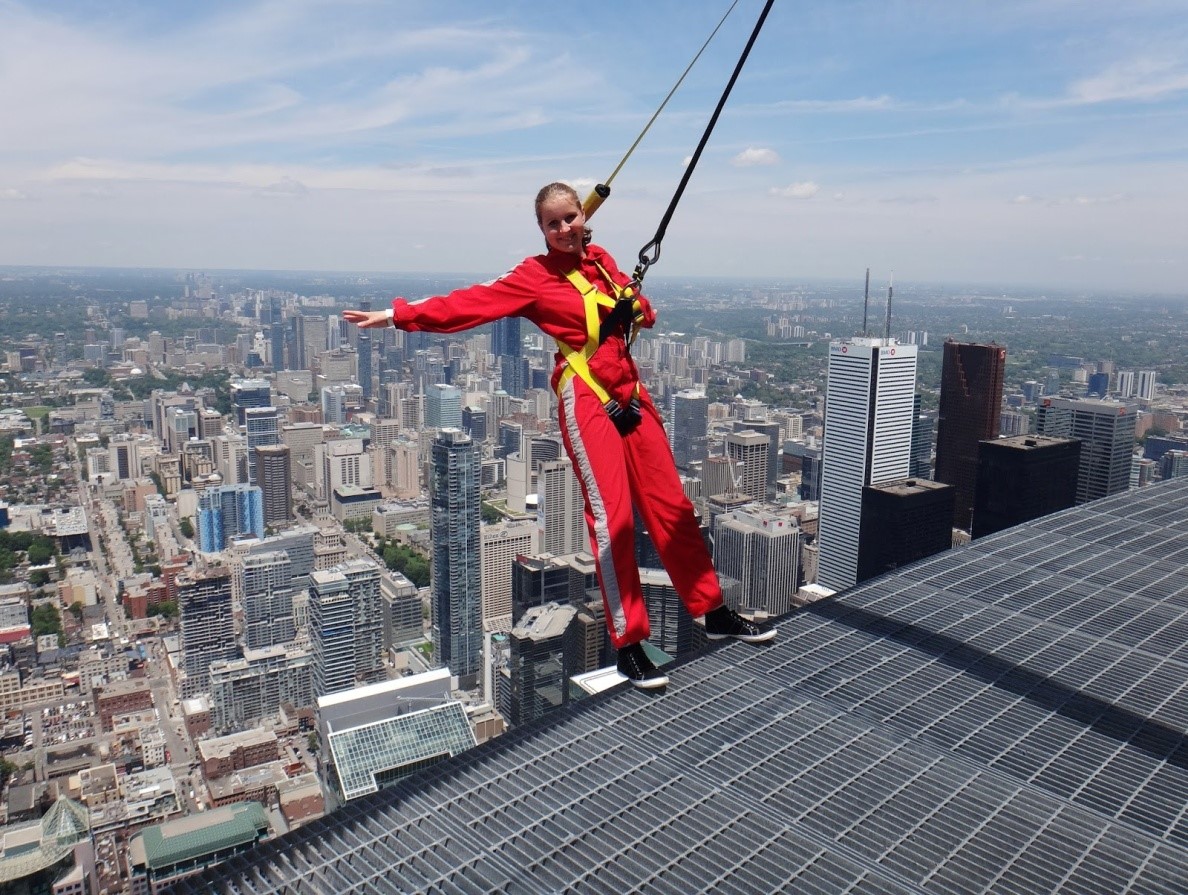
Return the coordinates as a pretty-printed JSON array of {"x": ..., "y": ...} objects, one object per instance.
[
  {"x": 1143, "y": 79},
  {"x": 753, "y": 156},
  {"x": 804, "y": 189},
  {"x": 1023, "y": 199},
  {"x": 13, "y": 195}
]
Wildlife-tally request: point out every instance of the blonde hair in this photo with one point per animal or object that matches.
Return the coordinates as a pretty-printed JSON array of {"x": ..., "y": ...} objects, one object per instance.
[{"x": 557, "y": 188}]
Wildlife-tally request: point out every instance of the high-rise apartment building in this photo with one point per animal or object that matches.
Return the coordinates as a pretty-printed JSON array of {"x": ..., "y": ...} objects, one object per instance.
[
  {"x": 346, "y": 626},
  {"x": 226, "y": 512},
  {"x": 688, "y": 427},
  {"x": 867, "y": 441},
  {"x": 456, "y": 578},
  {"x": 1022, "y": 478},
  {"x": 207, "y": 627},
  {"x": 970, "y": 403},
  {"x": 770, "y": 429},
  {"x": 274, "y": 477},
  {"x": 244, "y": 692},
  {"x": 761, "y": 551},
  {"x": 1106, "y": 432},
  {"x": 265, "y": 589}
]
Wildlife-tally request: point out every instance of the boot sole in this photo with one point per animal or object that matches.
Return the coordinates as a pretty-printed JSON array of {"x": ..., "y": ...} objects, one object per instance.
[
  {"x": 651, "y": 683},
  {"x": 745, "y": 638}
]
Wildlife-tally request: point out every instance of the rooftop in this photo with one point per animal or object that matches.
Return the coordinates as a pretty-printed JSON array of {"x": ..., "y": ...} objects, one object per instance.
[{"x": 1006, "y": 717}]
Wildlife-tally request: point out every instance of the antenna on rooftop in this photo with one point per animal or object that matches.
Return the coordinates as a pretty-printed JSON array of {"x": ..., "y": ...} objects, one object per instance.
[
  {"x": 890, "y": 287},
  {"x": 866, "y": 303}
]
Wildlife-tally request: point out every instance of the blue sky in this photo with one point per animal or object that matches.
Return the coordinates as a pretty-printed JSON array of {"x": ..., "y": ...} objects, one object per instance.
[{"x": 1032, "y": 143}]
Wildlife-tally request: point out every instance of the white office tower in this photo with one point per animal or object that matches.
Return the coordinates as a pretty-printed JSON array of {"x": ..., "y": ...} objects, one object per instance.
[
  {"x": 868, "y": 441},
  {"x": 1106, "y": 430},
  {"x": 761, "y": 551},
  {"x": 1144, "y": 385},
  {"x": 230, "y": 456},
  {"x": 1125, "y": 387},
  {"x": 343, "y": 462},
  {"x": 750, "y": 452},
  {"x": 501, "y": 544},
  {"x": 561, "y": 513},
  {"x": 443, "y": 406}
]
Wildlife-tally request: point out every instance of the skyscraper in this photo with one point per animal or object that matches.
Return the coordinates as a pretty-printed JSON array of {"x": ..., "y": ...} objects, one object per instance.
[
  {"x": 1106, "y": 431},
  {"x": 923, "y": 432},
  {"x": 226, "y": 512},
  {"x": 274, "y": 477},
  {"x": 262, "y": 426},
  {"x": 970, "y": 402},
  {"x": 562, "y": 515},
  {"x": 363, "y": 347},
  {"x": 688, "y": 415},
  {"x": 266, "y": 593},
  {"x": 501, "y": 544},
  {"x": 456, "y": 581},
  {"x": 749, "y": 450},
  {"x": 507, "y": 345},
  {"x": 247, "y": 393},
  {"x": 761, "y": 551},
  {"x": 443, "y": 407},
  {"x": 541, "y": 661},
  {"x": 1144, "y": 385},
  {"x": 276, "y": 335},
  {"x": 770, "y": 429},
  {"x": 207, "y": 628},
  {"x": 867, "y": 441},
  {"x": 1023, "y": 478},
  {"x": 902, "y": 522},
  {"x": 346, "y": 624}
]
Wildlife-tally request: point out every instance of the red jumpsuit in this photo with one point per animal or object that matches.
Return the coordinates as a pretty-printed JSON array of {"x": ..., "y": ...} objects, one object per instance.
[{"x": 616, "y": 471}]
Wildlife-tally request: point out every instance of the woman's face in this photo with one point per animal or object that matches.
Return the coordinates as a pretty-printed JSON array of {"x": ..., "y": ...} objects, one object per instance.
[{"x": 563, "y": 224}]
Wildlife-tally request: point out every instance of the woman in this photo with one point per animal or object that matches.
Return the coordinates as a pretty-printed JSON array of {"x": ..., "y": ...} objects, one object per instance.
[{"x": 610, "y": 428}]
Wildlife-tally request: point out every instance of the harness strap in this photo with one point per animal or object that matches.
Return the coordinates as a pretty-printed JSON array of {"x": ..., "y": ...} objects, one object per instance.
[{"x": 577, "y": 361}]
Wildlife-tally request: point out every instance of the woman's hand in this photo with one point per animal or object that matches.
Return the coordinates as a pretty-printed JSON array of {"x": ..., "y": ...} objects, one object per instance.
[{"x": 367, "y": 319}]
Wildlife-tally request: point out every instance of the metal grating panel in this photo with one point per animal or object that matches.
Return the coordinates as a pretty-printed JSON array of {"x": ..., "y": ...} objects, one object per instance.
[{"x": 1006, "y": 718}]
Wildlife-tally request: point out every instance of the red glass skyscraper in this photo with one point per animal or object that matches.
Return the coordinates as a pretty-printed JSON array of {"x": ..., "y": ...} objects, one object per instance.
[{"x": 970, "y": 404}]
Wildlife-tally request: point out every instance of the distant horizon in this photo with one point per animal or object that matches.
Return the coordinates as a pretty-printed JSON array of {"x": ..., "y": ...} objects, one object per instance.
[{"x": 987, "y": 290}]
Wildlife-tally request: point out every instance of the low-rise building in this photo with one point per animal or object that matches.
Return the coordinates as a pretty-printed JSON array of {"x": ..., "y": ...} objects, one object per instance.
[{"x": 222, "y": 756}]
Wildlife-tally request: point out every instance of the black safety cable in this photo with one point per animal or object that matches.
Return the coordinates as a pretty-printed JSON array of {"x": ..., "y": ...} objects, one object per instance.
[{"x": 653, "y": 247}]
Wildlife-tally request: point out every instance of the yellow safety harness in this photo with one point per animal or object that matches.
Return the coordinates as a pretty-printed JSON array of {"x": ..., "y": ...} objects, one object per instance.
[{"x": 577, "y": 362}]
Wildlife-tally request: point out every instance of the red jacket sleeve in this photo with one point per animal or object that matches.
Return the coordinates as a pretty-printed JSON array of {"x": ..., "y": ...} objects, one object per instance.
[{"x": 512, "y": 295}]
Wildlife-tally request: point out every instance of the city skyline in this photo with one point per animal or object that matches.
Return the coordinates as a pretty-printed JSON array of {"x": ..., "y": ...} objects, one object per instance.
[{"x": 1019, "y": 143}]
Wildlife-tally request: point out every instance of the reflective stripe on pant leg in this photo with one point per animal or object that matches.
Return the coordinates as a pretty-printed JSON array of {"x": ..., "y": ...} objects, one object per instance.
[
  {"x": 661, "y": 502},
  {"x": 618, "y": 575}
]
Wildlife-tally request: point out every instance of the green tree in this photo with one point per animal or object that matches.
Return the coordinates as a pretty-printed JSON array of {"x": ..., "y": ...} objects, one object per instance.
[
  {"x": 39, "y": 578},
  {"x": 490, "y": 514},
  {"x": 41, "y": 551},
  {"x": 76, "y": 609},
  {"x": 186, "y": 527},
  {"x": 46, "y": 620},
  {"x": 7, "y": 769}
]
